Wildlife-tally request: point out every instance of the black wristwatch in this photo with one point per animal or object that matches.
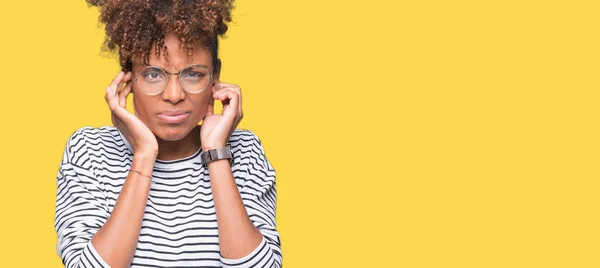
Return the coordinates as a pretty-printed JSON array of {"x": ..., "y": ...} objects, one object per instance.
[{"x": 216, "y": 154}]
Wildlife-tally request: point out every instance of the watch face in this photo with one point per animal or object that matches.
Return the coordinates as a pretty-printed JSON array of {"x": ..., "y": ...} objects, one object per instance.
[{"x": 204, "y": 157}]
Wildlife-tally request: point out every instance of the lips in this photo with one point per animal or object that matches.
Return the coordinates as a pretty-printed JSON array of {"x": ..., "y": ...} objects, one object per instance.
[{"x": 173, "y": 117}]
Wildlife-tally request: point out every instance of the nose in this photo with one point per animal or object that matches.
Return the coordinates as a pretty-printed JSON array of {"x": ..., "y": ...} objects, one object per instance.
[{"x": 174, "y": 93}]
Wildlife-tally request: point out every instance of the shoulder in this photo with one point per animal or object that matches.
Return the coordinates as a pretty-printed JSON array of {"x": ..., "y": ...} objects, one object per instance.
[
  {"x": 90, "y": 134},
  {"x": 244, "y": 138},
  {"x": 248, "y": 147},
  {"x": 88, "y": 137},
  {"x": 94, "y": 132}
]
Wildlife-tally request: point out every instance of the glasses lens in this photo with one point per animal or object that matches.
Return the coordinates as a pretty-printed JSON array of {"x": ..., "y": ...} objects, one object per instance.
[
  {"x": 152, "y": 80},
  {"x": 194, "y": 78}
]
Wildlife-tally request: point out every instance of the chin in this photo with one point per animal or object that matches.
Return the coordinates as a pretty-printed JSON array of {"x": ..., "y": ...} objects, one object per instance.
[{"x": 173, "y": 133}]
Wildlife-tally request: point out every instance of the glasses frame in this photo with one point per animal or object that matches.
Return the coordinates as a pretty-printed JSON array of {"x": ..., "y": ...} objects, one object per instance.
[{"x": 210, "y": 77}]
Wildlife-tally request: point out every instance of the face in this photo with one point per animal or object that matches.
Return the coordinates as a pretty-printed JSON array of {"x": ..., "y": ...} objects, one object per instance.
[{"x": 173, "y": 114}]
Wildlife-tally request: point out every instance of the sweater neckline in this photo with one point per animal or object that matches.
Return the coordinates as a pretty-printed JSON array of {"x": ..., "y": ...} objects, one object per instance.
[{"x": 185, "y": 162}]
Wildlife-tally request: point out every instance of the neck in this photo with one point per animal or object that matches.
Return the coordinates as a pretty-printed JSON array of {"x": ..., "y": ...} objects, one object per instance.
[{"x": 171, "y": 150}]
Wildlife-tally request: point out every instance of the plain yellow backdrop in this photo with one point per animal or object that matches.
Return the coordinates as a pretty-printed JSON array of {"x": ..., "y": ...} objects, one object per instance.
[{"x": 404, "y": 133}]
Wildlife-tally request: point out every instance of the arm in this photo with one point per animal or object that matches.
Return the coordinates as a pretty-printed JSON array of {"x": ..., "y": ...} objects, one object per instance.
[
  {"x": 88, "y": 236},
  {"x": 116, "y": 241},
  {"x": 246, "y": 219}
]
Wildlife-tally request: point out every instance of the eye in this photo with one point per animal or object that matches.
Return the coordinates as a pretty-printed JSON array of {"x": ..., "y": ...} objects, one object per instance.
[
  {"x": 192, "y": 74},
  {"x": 152, "y": 75}
]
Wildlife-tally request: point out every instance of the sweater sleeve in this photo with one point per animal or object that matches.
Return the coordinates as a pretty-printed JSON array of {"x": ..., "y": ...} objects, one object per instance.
[
  {"x": 259, "y": 197},
  {"x": 80, "y": 207}
]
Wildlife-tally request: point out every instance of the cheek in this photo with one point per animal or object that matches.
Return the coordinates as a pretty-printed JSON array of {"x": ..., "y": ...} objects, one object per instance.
[
  {"x": 142, "y": 109},
  {"x": 200, "y": 106}
]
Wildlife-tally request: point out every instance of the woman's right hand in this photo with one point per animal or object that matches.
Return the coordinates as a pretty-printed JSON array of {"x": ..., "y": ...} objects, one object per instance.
[{"x": 140, "y": 137}]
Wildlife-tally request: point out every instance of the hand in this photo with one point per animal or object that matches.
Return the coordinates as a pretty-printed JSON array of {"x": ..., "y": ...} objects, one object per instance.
[
  {"x": 217, "y": 128},
  {"x": 140, "y": 137}
]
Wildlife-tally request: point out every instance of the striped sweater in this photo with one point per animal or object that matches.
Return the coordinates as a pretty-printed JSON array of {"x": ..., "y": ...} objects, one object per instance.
[{"x": 179, "y": 227}]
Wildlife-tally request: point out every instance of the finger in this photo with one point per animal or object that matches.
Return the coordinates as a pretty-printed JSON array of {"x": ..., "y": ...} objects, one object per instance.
[
  {"x": 123, "y": 95},
  {"x": 224, "y": 96},
  {"x": 113, "y": 103},
  {"x": 109, "y": 97},
  {"x": 117, "y": 79},
  {"x": 223, "y": 86},
  {"x": 111, "y": 91},
  {"x": 230, "y": 100},
  {"x": 234, "y": 101},
  {"x": 128, "y": 76},
  {"x": 238, "y": 90},
  {"x": 222, "y": 90},
  {"x": 124, "y": 90},
  {"x": 112, "y": 97},
  {"x": 125, "y": 79},
  {"x": 220, "y": 86},
  {"x": 217, "y": 86},
  {"x": 211, "y": 107}
]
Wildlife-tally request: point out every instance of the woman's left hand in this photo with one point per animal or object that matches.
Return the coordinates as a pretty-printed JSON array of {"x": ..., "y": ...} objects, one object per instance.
[{"x": 217, "y": 128}]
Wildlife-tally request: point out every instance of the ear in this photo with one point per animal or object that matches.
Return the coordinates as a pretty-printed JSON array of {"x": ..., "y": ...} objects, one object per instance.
[{"x": 217, "y": 72}]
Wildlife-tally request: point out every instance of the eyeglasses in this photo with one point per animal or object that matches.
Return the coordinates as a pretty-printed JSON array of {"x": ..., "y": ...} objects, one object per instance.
[{"x": 153, "y": 80}]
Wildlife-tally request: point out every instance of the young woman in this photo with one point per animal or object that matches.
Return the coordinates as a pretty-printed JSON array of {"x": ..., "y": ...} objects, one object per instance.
[{"x": 158, "y": 189}]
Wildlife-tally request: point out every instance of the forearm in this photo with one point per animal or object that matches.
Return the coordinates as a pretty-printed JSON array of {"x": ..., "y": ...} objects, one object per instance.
[
  {"x": 117, "y": 239},
  {"x": 238, "y": 237}
]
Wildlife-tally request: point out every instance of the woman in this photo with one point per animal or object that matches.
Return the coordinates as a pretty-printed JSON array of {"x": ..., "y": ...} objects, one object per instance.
[{"x": 159, "y": 190}]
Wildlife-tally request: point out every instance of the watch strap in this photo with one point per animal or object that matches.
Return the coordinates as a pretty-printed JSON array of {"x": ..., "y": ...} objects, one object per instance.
[{"x": 216, "y": 154}]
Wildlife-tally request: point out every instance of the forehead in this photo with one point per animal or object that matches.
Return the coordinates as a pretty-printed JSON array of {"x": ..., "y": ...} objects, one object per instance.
[{"x": 173, "y": 57}]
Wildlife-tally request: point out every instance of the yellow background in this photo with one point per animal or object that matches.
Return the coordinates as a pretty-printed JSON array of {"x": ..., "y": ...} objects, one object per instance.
[{"x": 404, "y": 133}]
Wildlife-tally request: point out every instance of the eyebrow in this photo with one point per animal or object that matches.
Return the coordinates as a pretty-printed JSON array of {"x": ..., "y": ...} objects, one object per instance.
[{"x": 149, "y": 65}]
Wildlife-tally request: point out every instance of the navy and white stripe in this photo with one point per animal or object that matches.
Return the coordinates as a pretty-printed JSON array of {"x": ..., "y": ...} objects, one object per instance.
[{"x": 179, "y": 228}]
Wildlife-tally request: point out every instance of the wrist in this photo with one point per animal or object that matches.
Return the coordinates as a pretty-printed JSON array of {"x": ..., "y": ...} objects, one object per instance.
[
  {"x": 146, "y": 153},
  {"x": 143, "y": 162},
  {"x": 219, "y": 153},
  {"x": 213, "y": 146}
]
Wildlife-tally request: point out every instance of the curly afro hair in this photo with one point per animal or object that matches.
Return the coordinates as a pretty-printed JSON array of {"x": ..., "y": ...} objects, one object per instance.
[{"x": 133, "y": 26}]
